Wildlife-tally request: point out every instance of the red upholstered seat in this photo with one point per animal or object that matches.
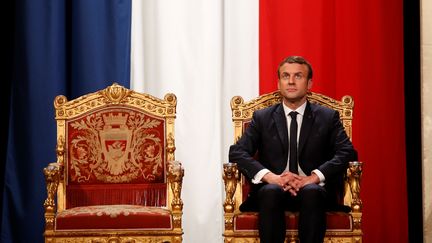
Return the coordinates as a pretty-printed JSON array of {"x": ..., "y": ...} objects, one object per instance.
[
  {"x": 114, "y": 217},
  {"x": 335, "y": 221}
]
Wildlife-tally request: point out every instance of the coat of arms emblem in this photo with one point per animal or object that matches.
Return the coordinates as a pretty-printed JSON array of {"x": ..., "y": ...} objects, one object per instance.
[
  {"x": 116, "y": 147},
  {"x": 115, "y": 140}
]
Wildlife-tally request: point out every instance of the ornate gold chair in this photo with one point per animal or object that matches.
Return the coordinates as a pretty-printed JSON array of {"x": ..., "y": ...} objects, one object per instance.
[
  {"x": 116, "y": 179},
  {"x": 242, "y": 227}
]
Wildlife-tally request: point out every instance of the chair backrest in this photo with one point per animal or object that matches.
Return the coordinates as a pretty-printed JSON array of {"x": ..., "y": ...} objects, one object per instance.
[
  {"x": 242, "y": 114},
  {"x": 114, "y": 145}
]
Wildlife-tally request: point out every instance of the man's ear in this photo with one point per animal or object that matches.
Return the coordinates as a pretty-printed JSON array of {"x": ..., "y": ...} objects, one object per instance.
[{"x": 310, "y": 84}]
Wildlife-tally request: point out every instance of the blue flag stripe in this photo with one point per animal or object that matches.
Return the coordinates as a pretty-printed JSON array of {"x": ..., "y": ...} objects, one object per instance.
[{"x": 61, "y": 47}]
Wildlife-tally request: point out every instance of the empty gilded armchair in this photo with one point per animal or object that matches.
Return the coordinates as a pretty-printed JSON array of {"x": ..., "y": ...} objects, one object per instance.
[{"x": 116, "y": 178}]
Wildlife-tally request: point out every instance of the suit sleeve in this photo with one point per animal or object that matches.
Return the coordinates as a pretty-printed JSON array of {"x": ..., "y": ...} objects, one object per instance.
[
  {"x": 343, "y": 150},
  {"x": 244, "y": 150}
]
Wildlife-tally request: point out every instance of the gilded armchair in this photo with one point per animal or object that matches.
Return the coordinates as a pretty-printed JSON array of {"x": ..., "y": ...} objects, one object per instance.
[
  {"x": 242, "y": 227},
  {"x": 115, "y": 179}
]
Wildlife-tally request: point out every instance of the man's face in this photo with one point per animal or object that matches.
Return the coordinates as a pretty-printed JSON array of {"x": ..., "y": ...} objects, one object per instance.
[{"x": 293, "y": 83}]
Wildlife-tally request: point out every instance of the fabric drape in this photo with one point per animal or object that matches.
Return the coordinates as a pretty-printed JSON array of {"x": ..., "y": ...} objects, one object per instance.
[
  {"x": 355, "y": 48},
  {"x": 205, "y": 52},
  {"x": 61, "y": 47}
]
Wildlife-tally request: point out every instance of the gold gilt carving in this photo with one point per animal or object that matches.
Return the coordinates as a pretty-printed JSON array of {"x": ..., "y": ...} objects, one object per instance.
[
  {"x": 354, "y": 175},
  {"x": 357, "y": 221},
  {"x": 171, "y": 99},
  {"x": 241, "y": 240},
  {"x": 229, "y": 221},
  {"x": 177, "y": 220},
  {"x": 356, "y": 239},
  {"x": 117, "y": 240},
  {"x": 52, "y": 178},
  {"x": 60, "y": 150},
  {"x": 72, "y": 240},
  {"x": 170, "y": 148},
  {"x": 115, "y": 94},
  {"x": 338, "y": 240},
  {"x": 113, "y": 211},
  {"x": 230, "y": 177},
  {"x": 175, "y": 177},
  {"x": 291, "y": 238}
]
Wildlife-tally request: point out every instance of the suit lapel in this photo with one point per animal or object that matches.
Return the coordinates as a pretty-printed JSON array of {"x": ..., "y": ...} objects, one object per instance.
[
  {"x": 308, "y": 120},
  {"x": 281, "y": 125}
]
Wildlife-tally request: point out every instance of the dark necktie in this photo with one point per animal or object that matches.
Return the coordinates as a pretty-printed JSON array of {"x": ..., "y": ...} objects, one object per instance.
[{"x": 293, "y": 167}]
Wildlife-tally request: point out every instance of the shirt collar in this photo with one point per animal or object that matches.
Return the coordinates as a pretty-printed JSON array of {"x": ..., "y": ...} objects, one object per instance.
[{"x": 300, "y": 109}]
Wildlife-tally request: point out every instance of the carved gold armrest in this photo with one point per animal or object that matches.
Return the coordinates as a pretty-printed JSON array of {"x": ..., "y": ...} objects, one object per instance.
[
  {"x": 175, "y": 177},
  {"x": 354, "y": 178},
  {"x": 230, "y": 177},
  {"x": 52, "y": 174}
]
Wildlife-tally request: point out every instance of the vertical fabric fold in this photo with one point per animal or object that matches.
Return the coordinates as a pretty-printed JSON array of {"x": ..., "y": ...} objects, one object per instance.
[
  {"x": 205, "y": 52},
  {"x": 62, "y": 47}
]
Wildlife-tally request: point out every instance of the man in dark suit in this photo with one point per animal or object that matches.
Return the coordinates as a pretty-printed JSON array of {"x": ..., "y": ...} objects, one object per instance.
[{"x": 294, "y": 172}]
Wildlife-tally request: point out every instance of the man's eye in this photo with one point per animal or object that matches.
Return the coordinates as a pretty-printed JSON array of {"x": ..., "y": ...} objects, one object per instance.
[
  {"x": 285, "y": 75},
  {"x": 298, "y": 76}
]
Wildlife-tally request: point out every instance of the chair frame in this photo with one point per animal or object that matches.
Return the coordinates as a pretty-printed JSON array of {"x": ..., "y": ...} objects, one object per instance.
[
  {"x": 242, "y": 113},
  {"x": 56, "y": 180}
]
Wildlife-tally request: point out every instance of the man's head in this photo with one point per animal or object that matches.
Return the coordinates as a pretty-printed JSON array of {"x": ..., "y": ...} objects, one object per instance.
[
  {"x": 295, "y": 80},
  {"x": 299, "y": 60}
]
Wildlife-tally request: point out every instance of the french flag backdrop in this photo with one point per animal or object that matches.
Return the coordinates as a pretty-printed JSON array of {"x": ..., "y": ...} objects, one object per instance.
[{"x": 206, "y": 52}]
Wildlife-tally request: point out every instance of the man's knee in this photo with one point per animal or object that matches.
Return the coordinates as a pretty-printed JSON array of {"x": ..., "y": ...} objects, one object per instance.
[
  {"x": 313, "y": 192},
  {"x": 270, "y": 193}
]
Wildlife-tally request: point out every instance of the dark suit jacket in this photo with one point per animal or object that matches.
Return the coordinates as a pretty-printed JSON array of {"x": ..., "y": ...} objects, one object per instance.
[{"x": 323, "y": 145}]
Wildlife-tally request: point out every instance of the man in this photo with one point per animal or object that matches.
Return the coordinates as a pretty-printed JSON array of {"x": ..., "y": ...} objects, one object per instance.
[{"x": 303, "y": 153}]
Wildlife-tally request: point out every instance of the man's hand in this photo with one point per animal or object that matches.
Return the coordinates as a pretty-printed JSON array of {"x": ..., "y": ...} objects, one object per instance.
[
  {"x": 306, "y": 180},
  {"x": 292, "y": 182},
  {"x": 272, "y": 178},
  {"x": 289, "y": 181},
  {"x": 286, "y": 180},
  {"x": 296, "y": 182}
]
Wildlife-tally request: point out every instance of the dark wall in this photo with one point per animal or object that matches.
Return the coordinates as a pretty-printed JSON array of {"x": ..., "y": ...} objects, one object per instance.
[
  {"x": 7, "y": 29},
  {"x": 413, "y": 118}
]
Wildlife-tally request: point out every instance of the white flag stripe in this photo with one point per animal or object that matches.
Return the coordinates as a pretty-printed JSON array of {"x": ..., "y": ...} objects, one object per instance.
[{"x": 205, "y": 52}]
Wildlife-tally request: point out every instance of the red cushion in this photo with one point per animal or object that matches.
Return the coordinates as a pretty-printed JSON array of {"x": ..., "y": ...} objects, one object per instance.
[
  {"x": 335, "y": 221},
  {"x": 114, "y": 217}
]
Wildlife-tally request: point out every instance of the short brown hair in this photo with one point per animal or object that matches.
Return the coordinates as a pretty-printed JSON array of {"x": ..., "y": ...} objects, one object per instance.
[{"x": 299, "y": 60}]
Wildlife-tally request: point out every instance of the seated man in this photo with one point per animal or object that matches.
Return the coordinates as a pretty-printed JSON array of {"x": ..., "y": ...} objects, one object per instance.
[{"x": 303, "y": 154}]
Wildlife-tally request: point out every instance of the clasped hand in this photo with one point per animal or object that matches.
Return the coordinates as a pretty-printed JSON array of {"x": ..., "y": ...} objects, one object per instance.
[{"x": 289, "y": 181}]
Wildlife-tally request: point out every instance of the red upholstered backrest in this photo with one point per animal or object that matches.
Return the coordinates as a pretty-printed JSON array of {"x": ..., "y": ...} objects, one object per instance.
[{"x": 115, "y": 155}]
